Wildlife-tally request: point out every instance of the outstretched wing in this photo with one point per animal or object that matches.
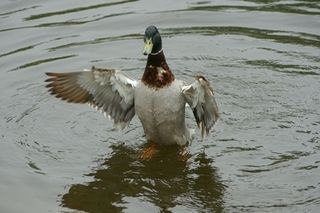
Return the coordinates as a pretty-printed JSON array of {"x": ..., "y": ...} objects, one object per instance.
[
  {"x": 108, "y": 90},
  {"x": 200, "y": 97}
]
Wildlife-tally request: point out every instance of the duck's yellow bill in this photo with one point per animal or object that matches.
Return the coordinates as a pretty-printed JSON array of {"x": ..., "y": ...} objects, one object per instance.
[{"x": 147, "y": 47}]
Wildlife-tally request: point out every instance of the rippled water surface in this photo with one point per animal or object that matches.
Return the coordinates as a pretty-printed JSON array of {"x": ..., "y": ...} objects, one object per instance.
[{"x": 261, "y": 56}]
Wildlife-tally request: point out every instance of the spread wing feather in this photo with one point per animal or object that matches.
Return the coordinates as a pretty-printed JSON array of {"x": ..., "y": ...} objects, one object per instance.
[
  {"x": 108, "y": 90},
  {"x": 200, "y": 97}
]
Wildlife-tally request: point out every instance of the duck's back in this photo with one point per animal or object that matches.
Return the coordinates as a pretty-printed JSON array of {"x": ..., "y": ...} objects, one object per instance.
[{"x": 162, "y": 113}]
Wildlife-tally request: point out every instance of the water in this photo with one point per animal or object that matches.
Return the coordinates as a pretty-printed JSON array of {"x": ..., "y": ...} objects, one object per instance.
[{"x": 262, "y": 58}]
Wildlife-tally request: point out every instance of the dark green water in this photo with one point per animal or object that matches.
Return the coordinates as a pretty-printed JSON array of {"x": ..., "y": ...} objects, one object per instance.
[{"x": 262, "y": 58}]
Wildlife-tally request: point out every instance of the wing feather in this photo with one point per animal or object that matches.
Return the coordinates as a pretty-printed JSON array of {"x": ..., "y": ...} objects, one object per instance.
[
  {"x": 200, "y": 97},
  {"x": 107, "y": 90}
]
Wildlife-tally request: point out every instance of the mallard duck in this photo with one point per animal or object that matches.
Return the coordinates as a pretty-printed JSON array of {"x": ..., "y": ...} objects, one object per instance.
[{"x": 158, "y": 99}]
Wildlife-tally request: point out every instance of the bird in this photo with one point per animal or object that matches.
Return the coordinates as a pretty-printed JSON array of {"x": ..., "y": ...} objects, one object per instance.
[{"x": 158, "y": 98}]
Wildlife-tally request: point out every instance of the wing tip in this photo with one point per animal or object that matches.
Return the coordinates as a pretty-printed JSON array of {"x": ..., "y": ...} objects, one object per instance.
[{"x": 205, "y": 130}]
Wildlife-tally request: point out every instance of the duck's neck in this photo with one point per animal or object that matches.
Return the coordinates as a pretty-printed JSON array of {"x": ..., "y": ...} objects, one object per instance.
[{"x": 157, "y": 73}]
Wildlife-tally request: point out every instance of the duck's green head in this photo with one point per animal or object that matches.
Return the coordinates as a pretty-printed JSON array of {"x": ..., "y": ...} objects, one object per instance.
[{"x": 152, "y": 40}]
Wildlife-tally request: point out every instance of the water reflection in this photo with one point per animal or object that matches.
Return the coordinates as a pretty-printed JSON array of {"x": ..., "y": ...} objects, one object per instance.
[
  {"x": 283, "y": 37},
  {"x": 168, "y": 181},
  {"x": 76, "y": 9},
  {"x": 306, "y": 7}
]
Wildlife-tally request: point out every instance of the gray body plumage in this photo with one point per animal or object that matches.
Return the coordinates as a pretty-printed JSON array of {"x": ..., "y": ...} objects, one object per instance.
[{"x": 162, "y": 113}]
